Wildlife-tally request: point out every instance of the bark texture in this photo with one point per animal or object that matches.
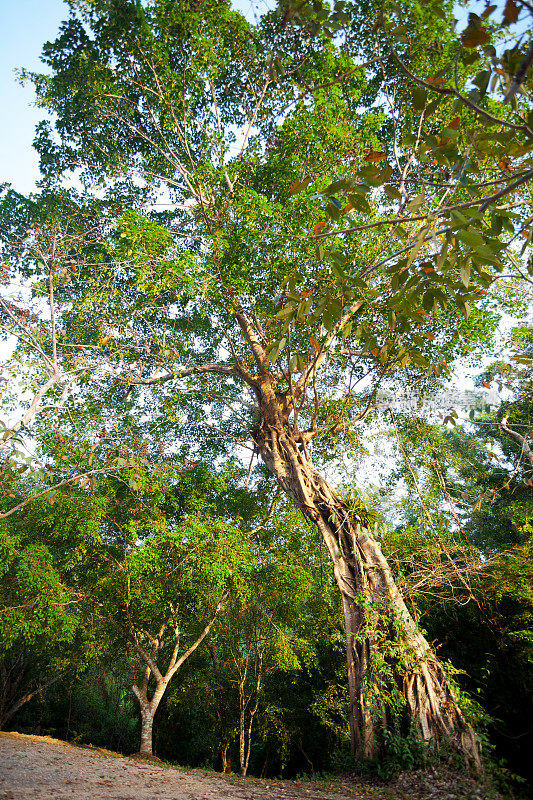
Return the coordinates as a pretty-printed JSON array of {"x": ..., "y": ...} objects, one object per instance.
[
  {"x": 370, "y": 598},
  {"x": 148, "y": 708}
]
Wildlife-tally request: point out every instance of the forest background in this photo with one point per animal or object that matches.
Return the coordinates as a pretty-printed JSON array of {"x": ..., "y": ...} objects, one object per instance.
[{"x": 138, "y": 544}]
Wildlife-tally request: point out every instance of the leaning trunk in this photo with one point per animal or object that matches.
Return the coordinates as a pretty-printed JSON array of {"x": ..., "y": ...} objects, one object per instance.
[
  {"x": 226, "y": 759},
  {"x": 372, "y": 603}
]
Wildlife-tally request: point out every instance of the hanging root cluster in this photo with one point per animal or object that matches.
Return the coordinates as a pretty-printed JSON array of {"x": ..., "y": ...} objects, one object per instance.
[{"x": 377, "y": 644}]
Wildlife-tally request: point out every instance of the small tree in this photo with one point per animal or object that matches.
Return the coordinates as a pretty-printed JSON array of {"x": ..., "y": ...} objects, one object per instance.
[
  {"x": 150, "y": 572},
  {"x": 259, "y": 636}
]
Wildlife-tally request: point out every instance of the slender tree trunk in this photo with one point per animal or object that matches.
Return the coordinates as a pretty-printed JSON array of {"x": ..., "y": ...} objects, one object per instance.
[
  {"x": 223, "y": 713},
  {"x": 149, "y": 707},
  {"x": 226, "y": 759},
  {"x": 12, "y": 694},
  {"x": 371, "y": 600},
  {"x": 242, "y": 743}
]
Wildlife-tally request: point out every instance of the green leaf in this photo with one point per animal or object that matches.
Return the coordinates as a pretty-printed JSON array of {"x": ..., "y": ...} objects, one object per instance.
[
  {"x": 359, "y": 202},
  {"x": 385, "y": 173},
  {"x": 337, "y": 186},
  {"x": 458, "y": 218},
  {"x": 392, "y": 192},
  {"x": 416, "y": 202},
  {"x": 464, "y": 270},
  {"x": 419, "y": 96},
  {"x": 286, "y": 313},
  {"x": 276, "y": 349},
  {"x": 333, "y": 211},
  {"x": 471, "y": 237}
]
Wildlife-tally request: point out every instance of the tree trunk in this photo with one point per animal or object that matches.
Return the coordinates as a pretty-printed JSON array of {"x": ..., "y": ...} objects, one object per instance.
[
  {"x": 13, "y": 677},
  {"x": 373, "y": 606},
  {"x": 147, "y": 724},
  {"x": 226, "y": 759},
  {"x": 242, "y": 743},
  {"x": 148, "y": 709}
]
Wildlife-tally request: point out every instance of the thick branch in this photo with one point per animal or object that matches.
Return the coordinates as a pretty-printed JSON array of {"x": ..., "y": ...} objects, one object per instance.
[{"x": 522, "y": 440}]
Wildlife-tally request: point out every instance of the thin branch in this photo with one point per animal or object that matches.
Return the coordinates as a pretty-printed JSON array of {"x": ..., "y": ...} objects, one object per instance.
[
  {"x": 455, "y": 93},
  {"x": 67, "y": 481},
  {"x": 482, "y": 202}
]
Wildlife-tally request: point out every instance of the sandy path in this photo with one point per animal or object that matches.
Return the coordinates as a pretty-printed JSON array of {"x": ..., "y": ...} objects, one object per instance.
[{"x": 41, "y": 768}]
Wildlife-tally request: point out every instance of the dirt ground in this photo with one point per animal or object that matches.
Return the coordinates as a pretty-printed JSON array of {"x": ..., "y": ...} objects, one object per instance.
[{"x": 41, "y": 768}]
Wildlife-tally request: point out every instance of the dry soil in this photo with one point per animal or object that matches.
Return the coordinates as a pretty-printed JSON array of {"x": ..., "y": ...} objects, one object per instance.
[{"x": 42, "y": 768}]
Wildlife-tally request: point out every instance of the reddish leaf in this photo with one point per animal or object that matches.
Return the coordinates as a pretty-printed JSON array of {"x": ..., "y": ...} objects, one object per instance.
[
  {"x": 293, "y": 187},
  {"x": 428, "y": 270},
  {"x": 305, "y": 295},
  {"x": 315, "y": 345},
  {"x": 511, "y": 11},
  {"x": 421, "y": 311},
  {"x": 525, "y": 233},
  {"x": 464, "y": 495},
  {"x": 473, "y": 37},
  {"x": 486, "y": 385},
  {"x": 374, "y": 156},
  {"x": 298, "y": 186},
  {"x": 375, "y": 351},
  {"x": 319, "y": 227},
  {"x": 454, "y": 124},
  {"x": 347, "y": 208},
  {"x": 504, "y": 166},
  {"x": 430, "y": 336},
  {"x": 488, "y": 11}
]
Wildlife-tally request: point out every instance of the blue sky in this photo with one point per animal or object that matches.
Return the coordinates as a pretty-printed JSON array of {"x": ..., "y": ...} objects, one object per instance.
[{"x": 24, "y": 26}]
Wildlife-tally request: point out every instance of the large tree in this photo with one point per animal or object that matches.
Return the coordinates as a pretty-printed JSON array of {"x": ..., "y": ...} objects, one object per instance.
[{"x": 211, "y": 306}]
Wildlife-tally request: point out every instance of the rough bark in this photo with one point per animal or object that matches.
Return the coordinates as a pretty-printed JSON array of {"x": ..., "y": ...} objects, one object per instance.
[
  {"x": 370, "y": 598},
  {"x": 148, "y": 709},
  {"x": 147, "y": 726}
]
